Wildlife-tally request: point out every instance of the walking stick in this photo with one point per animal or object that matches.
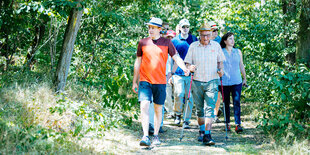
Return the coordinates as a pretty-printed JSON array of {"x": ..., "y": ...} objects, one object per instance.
[
  {"x": 189, "y": 93},
  {"x": 224, "y": 108}
]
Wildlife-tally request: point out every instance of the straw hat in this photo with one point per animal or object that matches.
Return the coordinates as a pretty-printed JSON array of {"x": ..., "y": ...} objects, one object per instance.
[{"x": 205, "y": 27}]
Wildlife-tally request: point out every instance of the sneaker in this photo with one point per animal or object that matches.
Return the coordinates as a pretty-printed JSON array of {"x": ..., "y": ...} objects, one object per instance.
[
  {"x": 186, "y": 125},
  {"x": 151, "y": 129},
  {"x": 161, "y": 130},
  {"x": 216, "y": 120},
  {"x": 170, "y": 116},
  {"x": 201, "y": 134},
  {"x": 155, "y": 140},
  {"x": 145, "y": 141},
  {"x": 207, "y": 140},
  {"x": 177, "y": 119},
  {"x": 238, "y": 129}
]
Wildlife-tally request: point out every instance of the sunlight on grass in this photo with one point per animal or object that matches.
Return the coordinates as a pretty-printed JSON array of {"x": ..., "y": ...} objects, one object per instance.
[{"x": 35, "y": 119}]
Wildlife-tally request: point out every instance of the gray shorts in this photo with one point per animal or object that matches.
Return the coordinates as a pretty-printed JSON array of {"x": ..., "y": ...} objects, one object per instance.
[{"x": 205, "y": 96}]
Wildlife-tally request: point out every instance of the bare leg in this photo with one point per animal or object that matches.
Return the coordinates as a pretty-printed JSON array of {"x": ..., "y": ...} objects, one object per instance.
[
  {"x": 209, "y": 123},
  {"x": 218, "y": 103},
  {"x": 158, "y": 117},
  {"x": 201, "y": 121},
  {"x": 144, "y": 107}
]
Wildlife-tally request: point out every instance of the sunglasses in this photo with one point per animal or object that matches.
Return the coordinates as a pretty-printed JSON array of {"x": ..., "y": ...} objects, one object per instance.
[
  {"x": 163, "y": 32},
  {"x": 215, "y": 30},
  {"x": 185, "y": 27}
]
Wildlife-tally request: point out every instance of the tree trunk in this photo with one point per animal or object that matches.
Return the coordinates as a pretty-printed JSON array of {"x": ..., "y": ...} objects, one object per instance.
[
  {"x": 303, "y": 40},
  {"x": 290, "y": 13},
  {"x": 67, "y": 47}
]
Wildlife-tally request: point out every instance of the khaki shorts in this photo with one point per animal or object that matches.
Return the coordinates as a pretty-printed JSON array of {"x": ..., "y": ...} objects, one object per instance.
[{"x": 205, "y": 96}]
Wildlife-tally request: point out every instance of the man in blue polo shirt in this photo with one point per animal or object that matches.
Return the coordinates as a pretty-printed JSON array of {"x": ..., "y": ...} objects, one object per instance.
[{"x": 180, "y": 81}]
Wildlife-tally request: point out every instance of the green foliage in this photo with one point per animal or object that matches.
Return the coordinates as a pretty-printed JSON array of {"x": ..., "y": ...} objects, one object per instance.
[
  {"x": 287, "y": 102},
  {"x": 98, "y": 89}
]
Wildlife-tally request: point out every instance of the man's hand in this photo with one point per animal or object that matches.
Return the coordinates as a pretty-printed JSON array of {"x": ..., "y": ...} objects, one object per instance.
[
  {"x": 244, "y": 83},
  {"x": 192, "y": 68},
  {"x": 186, "y": 72},
  {"x": 220, "y": 72},
  {"x": 135, "y": 88}
]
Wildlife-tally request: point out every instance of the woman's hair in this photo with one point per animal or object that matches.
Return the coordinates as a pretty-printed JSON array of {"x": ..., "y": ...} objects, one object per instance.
[{"x": 228, "y": 34}]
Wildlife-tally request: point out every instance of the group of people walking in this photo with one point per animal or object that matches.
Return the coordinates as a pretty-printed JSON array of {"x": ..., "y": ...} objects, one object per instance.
[{"x": 167, "y": 57}]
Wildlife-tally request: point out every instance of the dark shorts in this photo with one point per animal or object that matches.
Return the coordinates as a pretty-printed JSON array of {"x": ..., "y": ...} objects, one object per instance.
[{"x": 152, "y": 92}]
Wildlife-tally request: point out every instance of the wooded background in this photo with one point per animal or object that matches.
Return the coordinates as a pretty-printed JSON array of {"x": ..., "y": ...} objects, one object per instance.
[{"x": 91, "y": 44}]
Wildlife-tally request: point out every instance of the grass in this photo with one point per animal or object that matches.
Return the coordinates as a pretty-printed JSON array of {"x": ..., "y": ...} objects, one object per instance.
[{"x": 35, "y": 120}]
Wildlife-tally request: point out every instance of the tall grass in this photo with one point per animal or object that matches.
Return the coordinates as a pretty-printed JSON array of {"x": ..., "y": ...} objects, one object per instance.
[{"x": 35, "y": 119}]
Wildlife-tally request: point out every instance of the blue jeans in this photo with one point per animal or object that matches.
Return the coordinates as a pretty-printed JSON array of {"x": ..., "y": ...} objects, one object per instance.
[{"x": 235, "y": 91}]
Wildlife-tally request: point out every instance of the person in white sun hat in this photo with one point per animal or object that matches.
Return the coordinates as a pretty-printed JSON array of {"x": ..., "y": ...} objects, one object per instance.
[{"x": 150, "y": 66}]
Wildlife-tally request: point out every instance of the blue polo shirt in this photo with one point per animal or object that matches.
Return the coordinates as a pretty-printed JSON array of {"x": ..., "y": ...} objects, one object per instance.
[
  {"x": 182, "y": 46},
  {"x": 218, "y": 39}
]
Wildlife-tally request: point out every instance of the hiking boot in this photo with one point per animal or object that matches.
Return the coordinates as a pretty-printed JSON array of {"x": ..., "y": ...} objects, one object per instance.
[
  {"x": 151, "y": 129},
  {"x": 238, "y": 129},
  {"x": 186, "y": 125},
  {"x": 201, "y": 134},
  {"x": 207, "y": 140},
  {"x": 145, "y": 141},
  {"x": 177, "y": 119},
  {"x": 155, "y": 140},
  {"x": 161, "y": 130}
]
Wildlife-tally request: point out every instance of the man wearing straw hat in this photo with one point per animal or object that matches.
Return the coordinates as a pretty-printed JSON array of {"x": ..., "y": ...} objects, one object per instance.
[
  {"x": 205, "y": 57},
  {"x": 150, "y": 65}
]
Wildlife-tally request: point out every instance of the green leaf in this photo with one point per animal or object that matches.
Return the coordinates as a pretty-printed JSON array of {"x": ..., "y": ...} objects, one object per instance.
[{"x": 283, "y": 97}]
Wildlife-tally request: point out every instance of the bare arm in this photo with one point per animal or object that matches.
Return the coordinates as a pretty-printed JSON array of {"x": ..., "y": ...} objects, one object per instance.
[
  {"x": 136, "y": 74},
  {"x": 174, "y": 68},
  {"x": 242, "y": 69},
  {"x": 220, "y": 67},
  {"x": 178, "y": 60}
]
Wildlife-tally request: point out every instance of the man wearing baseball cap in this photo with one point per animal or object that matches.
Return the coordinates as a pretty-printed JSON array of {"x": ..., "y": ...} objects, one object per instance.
[
  {"x": 205, "y": 57},
  {"x": 217, "y": 38},
  {"x": 150, "y": 66},
  {"x": 215, "y": 34},
  {"x": 180, "y": 82}
]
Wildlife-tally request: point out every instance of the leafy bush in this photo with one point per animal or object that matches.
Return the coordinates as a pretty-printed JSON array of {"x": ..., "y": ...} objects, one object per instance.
[{"x": 286, "y": 109}]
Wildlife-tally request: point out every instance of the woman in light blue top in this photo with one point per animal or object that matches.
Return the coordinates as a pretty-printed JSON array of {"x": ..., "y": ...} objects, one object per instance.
[{"x": 232, "y": 81}]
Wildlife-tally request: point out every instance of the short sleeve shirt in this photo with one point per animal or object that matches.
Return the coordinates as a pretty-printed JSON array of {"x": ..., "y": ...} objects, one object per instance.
[
  {"x": 182, "y": 46},
  {"x": 154, "y": 55},
  {"x": 205, "y": 57}
]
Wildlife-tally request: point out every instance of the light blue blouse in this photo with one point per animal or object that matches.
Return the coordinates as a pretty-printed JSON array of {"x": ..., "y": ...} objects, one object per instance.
[{"x": 232, "y": 74}]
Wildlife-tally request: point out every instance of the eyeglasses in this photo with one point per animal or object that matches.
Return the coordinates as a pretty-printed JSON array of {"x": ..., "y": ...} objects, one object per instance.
[
  {"x": 208, "y": 35},
  {"x": 185, "y": 27}
]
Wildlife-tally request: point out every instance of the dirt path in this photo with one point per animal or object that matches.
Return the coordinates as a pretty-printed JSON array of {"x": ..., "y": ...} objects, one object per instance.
[{"x": 126, "y": 140}]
